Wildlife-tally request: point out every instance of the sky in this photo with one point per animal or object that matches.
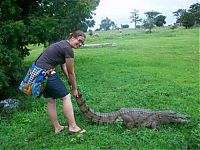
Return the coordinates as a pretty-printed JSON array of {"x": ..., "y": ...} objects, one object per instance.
[{"x": 119, "y": 10}]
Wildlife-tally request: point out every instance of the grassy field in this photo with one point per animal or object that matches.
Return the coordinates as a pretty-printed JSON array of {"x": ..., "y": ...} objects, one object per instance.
[{"x": 156, "y": 71}]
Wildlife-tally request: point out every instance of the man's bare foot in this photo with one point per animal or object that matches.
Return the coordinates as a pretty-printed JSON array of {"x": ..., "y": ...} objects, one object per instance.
[
  {"x": 76, "y": 129},
  {"x": 60, "y": 129}
]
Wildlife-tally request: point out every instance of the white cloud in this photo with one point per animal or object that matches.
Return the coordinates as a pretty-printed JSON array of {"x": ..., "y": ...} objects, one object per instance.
[{"x": 119, "y": 10}]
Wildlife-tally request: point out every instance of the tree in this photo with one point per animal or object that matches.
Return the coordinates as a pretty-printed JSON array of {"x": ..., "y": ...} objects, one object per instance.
[
  {"x": 25, "y": 22},
  {"x": 149, "y": 22},
  {"x": 187, "y": 20},
  {"x": 135, "y": 17},
  {"x": 178, "y": 14},
  {"x": 160, "y": 20},
  {"x": 195, "y": 10},
  {"x": 67, "y": 15},
  {"x": 113, "y": 25},
  {"x": 12, "y": 42},
  {"x": 106, "y": 24},
  {"x": 152, "y": 14}
]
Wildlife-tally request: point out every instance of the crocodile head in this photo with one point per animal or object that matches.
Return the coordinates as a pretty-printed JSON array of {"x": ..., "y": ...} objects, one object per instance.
[{"x": 173, "y": 117}]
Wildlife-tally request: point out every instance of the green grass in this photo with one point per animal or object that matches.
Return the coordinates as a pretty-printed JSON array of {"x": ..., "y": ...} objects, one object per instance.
[{"x": 157, "y": 71}]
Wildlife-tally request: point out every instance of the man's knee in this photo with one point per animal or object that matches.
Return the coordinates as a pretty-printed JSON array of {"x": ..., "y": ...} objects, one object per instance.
[
  {"x": 51, "y": 100},
  {"x": 67, "y": 97}
]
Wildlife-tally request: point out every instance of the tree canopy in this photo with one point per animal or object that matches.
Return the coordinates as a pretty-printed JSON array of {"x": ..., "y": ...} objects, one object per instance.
[
  {"x": 187, "y": 19},
  {"x": 153, "y": 18},
  {"x": 190, "y": 17},
  {"x": 195, "y": 10},
  {"x": 178, "y": 14},
  {"x": 160, "y": 20},
  {"x": 106, "y": 24}
]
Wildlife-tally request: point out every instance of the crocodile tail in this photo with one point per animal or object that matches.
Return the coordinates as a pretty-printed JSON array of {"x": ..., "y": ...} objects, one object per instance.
[
  {"x": 96, "y": 117},
  {"x": 84, "y": 108}
]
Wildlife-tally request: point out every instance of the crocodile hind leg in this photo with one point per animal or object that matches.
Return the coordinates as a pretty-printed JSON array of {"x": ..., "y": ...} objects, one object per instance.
[
  {"x": 152, "y": 124},
  {"x": 128, "y": 121}
]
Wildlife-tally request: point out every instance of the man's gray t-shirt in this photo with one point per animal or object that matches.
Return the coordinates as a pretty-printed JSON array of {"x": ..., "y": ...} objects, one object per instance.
[{"x": 55, "y": 55}]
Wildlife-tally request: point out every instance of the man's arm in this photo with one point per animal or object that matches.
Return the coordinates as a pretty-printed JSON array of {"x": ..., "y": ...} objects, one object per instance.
[
  {"x": 64, "y": 69},
  {"x": 69, "y": 71}
]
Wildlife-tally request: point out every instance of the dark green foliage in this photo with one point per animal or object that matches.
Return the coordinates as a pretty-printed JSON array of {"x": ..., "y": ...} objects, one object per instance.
[
  {"x": 178, "y": 14},
  {"x": 160, "y": 20},
  {"x": 36, "y": 22},
  {"x": 43, "y": 31},
  {"x": 190, "y": 17},
  {"x": 67, "y": 16},
  {"x": 188, "y": 20},
  {"x": 12, "y": 44},
  {"x": 195, "y": 10},
  {"x": 90, "y": 32}
]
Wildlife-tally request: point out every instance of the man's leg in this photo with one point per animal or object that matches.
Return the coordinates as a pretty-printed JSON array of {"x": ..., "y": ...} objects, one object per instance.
[
  {"x": 69, "y": 114},
  {"x": 51, "y": 108}
]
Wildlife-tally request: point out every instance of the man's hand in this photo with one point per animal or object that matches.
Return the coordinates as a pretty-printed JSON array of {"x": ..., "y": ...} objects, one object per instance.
[
  {"x": 71, "y": 75},
  {"x": 75, "y": 93}
]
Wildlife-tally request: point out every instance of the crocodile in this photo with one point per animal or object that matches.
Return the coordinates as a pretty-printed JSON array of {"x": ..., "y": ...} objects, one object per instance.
[{"x": 132, "y": 117}]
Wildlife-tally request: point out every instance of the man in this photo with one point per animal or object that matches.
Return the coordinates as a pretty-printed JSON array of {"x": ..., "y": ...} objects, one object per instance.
[{"x": 61, "y": 53}]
